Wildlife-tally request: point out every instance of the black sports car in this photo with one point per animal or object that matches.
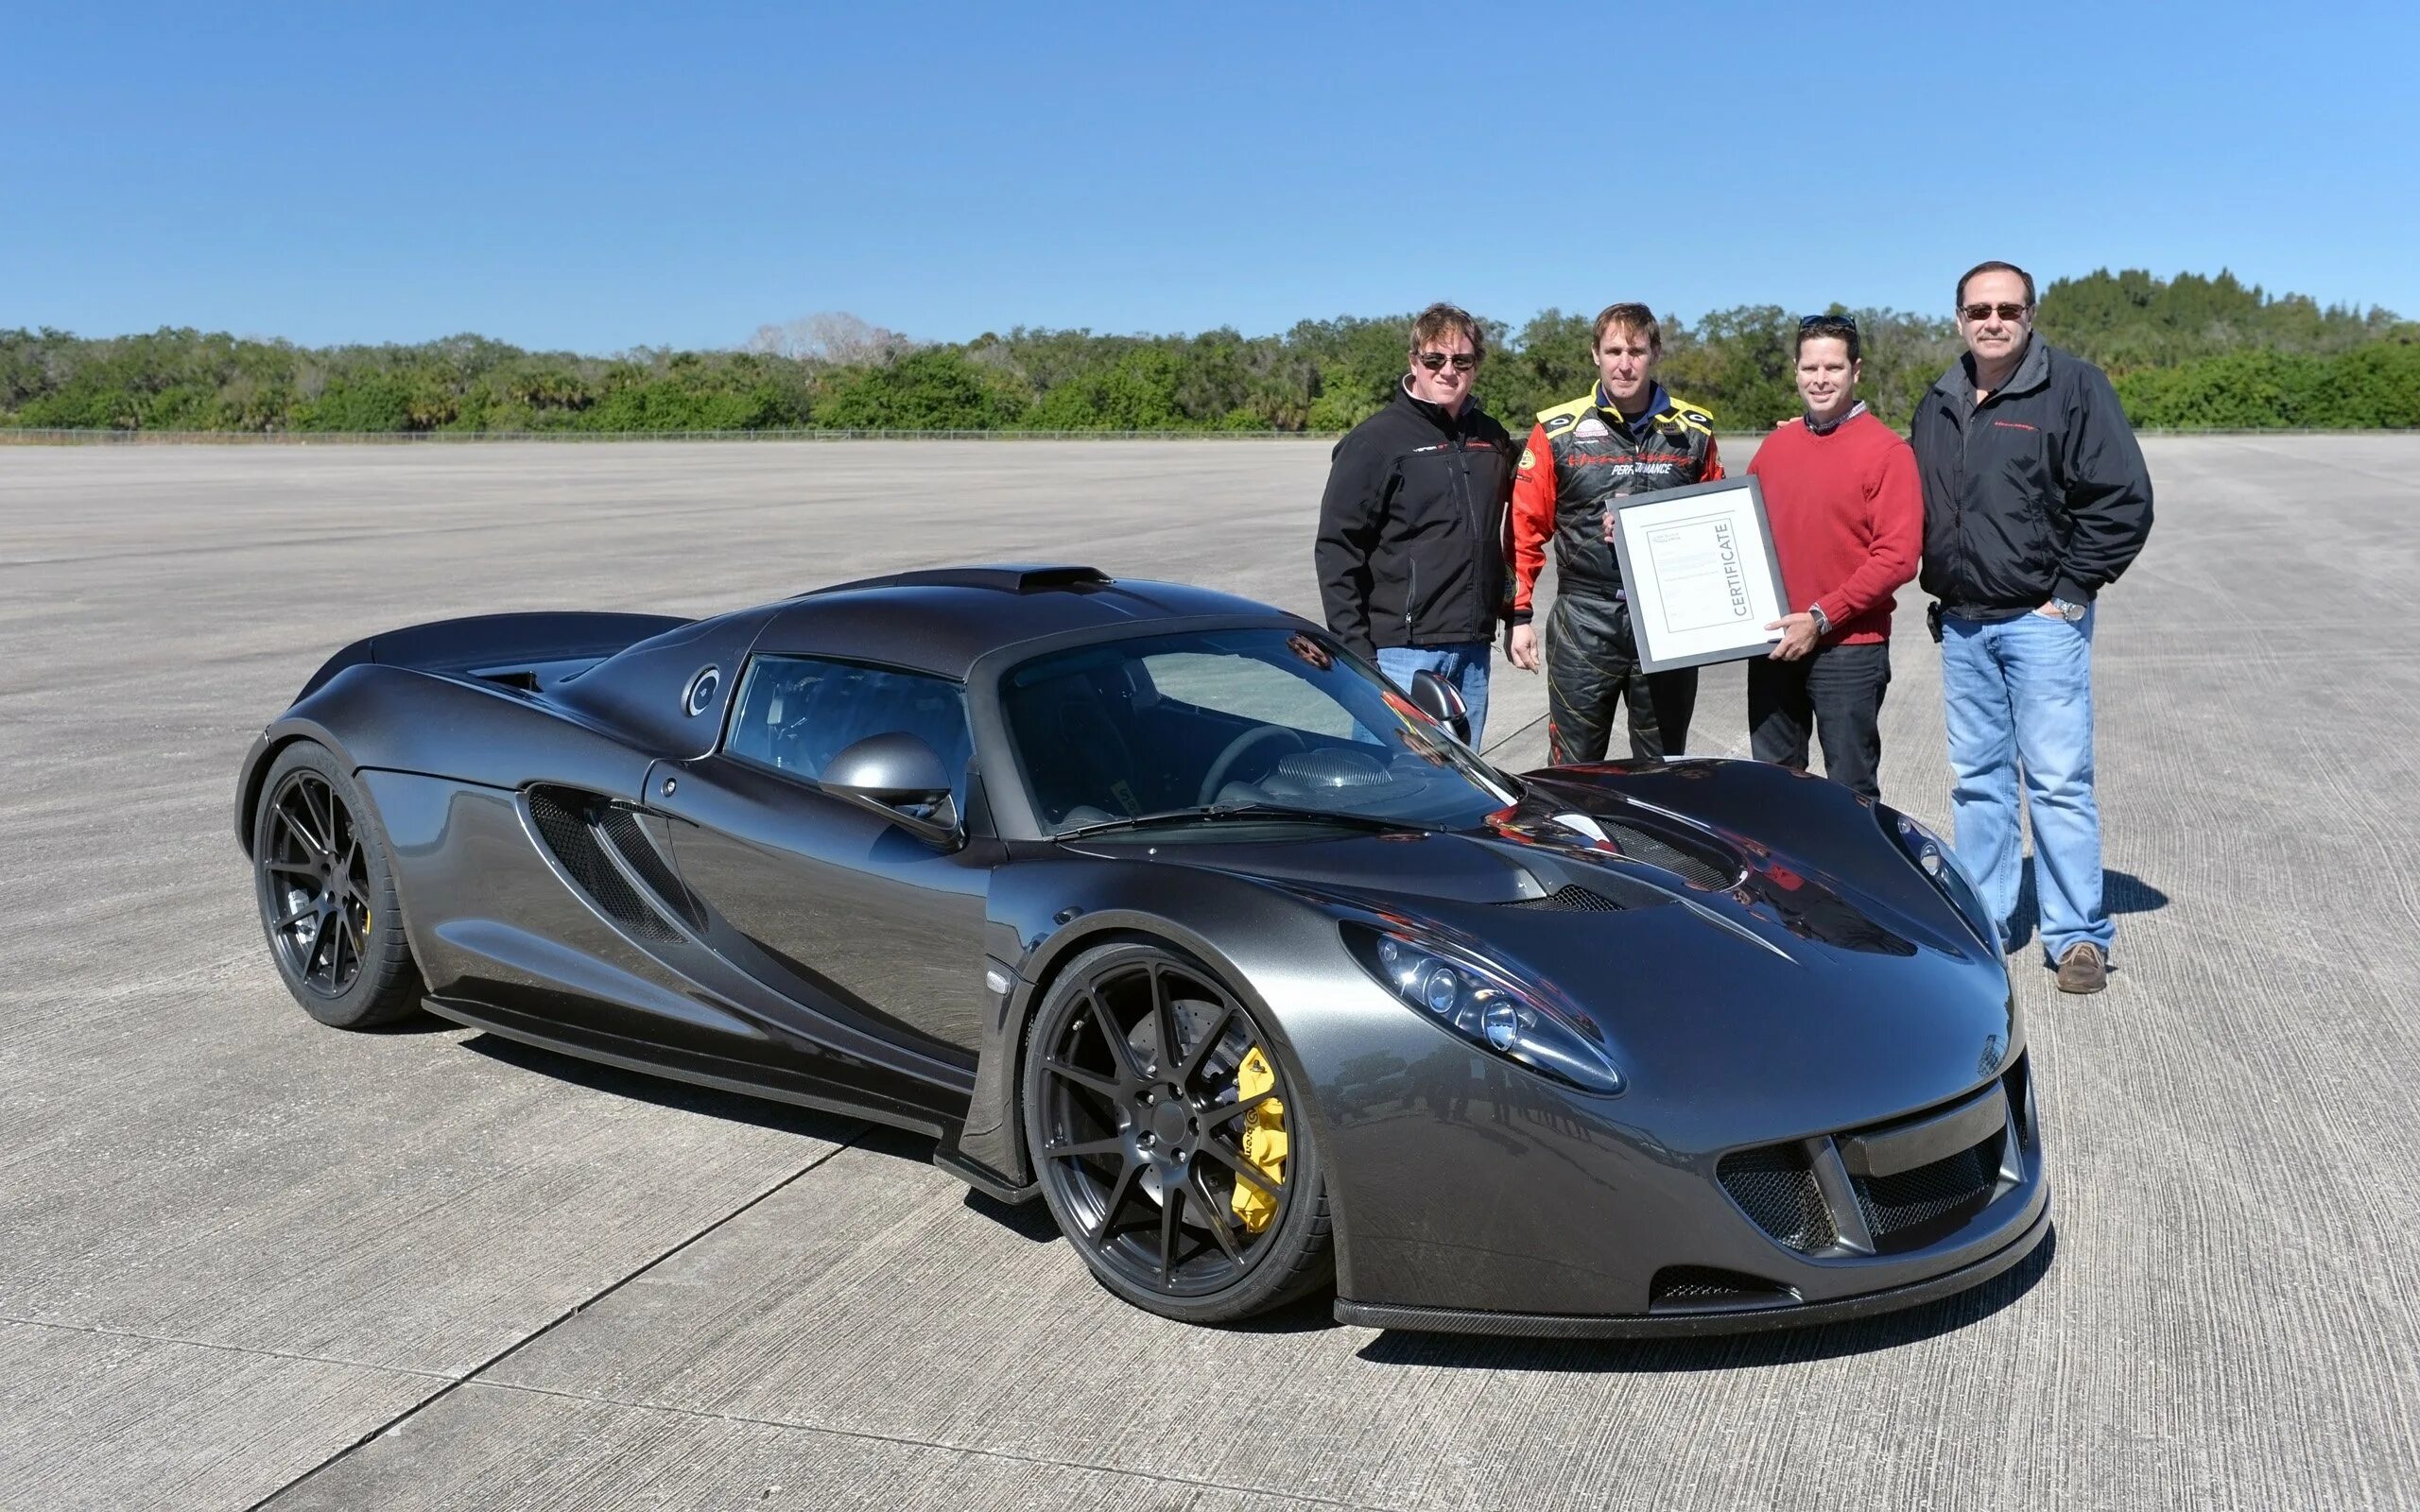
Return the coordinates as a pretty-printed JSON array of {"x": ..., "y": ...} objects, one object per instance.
[{"x": 1158, "y": 905}]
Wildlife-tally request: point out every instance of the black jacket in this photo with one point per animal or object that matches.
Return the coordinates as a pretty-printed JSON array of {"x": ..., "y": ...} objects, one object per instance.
[
  {"x": 1411, "y": 548},
  {"x": 2037, "y": 493}
]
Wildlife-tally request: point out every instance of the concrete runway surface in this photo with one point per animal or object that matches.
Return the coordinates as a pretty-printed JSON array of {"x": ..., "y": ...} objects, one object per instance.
[{"x": 244, "y": 1259}]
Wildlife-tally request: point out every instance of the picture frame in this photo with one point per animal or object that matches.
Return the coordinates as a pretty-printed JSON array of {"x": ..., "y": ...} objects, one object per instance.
[{"x": 1700, "y": 572}]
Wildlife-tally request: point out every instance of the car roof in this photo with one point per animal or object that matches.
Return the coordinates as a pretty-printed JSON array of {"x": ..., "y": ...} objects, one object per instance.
[{"x": 943, "y": 620}]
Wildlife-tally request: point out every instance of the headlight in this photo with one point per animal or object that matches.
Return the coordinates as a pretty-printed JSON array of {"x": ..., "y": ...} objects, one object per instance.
[
  {"x": 1484, "y": 1006},
  {"x": 1934, "y": 858}
]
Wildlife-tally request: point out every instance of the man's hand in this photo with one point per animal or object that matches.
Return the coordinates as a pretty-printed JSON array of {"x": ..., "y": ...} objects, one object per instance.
[
  {"x": 1522, "y": 646},
  {"x": 2051, "y": 611},
  {"x": 1797, "y": 637}
]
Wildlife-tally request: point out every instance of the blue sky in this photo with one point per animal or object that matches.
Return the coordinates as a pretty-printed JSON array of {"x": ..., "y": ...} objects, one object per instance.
[{"x": 585, "y": 179}]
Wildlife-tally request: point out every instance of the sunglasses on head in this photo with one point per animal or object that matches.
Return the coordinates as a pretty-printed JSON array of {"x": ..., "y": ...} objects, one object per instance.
[
  {"x": 1463, "y": 361},
  {"x": 1837, "y": 322},
  {"x": 1983, "y": 312}
]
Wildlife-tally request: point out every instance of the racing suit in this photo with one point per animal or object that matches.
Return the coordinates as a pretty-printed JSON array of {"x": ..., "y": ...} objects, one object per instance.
[{"x": 1581, "y": 457}]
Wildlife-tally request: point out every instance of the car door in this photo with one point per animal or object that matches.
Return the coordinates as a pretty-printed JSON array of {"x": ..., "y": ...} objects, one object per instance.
[{"x": 828, "y": 899}]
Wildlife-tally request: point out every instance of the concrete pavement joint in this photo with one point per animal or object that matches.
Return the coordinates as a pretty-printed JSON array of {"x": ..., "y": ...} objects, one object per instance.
[
  {"x": 457, "y": 1383},
  {"x": 229, "y": 1348},
  {"x": 911, "y": 1441}
]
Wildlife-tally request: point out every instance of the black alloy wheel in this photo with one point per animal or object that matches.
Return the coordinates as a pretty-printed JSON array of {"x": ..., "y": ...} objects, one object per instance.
[
  {"x": 319, "y": 880},
  {"x": 1137, "y": 1117},
  {"x": 327, "y": 897}
]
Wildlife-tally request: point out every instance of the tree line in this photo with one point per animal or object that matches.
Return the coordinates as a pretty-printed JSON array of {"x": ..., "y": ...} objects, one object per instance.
[{"x": 2189, "y": 352}]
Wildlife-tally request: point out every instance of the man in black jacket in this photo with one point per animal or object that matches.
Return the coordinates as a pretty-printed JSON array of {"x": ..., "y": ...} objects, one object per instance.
[
  {"x": 2036, "y": 499},
  {"x": 1411, "y": 548}
]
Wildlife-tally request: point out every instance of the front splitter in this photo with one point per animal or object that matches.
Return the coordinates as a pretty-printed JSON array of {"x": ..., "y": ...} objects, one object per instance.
[{"x": 1685, "y": 1324}]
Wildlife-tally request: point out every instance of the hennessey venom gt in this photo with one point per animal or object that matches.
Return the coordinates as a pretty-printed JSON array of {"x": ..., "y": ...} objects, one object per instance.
[{"x": 1161, "y": 905}]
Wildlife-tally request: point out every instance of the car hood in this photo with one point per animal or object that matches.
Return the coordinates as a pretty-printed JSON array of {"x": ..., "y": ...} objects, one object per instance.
[{"x": 1767, "y": 935}]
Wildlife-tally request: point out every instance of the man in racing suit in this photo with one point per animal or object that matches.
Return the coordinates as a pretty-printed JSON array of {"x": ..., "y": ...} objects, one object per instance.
[{"x": 1627, "y": 436}]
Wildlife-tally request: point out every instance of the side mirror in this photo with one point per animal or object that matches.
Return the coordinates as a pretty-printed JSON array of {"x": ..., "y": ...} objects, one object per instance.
[
  {"x": 898, "y": 772},
  {"x": 1442, "y": 702}
]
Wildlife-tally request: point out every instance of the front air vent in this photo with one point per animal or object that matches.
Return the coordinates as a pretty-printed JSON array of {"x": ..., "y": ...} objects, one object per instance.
[
  {"x": 568, "y": 823},
  {"x": 1916, "y": 1207},
  {"x": 1774, "y": 1184},
  {"x": 1709, "y": 1289}
]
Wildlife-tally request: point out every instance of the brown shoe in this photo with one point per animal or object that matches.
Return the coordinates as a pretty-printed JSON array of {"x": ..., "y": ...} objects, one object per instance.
[{"x": 2082, "y": 970}]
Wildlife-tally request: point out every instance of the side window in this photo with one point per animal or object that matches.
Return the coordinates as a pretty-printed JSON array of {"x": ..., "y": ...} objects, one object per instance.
[{"x": 797, "y": 712}]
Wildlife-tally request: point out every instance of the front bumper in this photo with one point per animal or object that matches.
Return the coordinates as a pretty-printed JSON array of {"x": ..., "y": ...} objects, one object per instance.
[{"x": 1698, "y": 1324}]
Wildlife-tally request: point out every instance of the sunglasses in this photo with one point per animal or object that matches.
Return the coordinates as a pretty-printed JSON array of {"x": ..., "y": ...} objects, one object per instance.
[
  {"x": 1838, "y": 323},
  {"x": 1983, "y": 312},
  {"x": 1463, "y": 361}
]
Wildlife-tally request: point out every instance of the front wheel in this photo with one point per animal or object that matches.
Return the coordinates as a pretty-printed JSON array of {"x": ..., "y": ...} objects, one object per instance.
[
  {"x": 327, "y": 894},
  {"x": 1171, "y": 1143}
]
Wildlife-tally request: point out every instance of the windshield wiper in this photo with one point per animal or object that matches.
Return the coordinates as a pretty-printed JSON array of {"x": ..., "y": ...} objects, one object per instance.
[{"x": 1215, "y": 813}]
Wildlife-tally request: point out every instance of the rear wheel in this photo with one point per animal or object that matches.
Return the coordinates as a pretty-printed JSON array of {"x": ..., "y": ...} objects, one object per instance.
[
  {"x": 1171, "y": 1143},
  {"x": 327, "y": 894}
]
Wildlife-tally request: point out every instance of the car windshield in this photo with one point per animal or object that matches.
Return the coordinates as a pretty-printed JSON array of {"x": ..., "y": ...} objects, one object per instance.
[{"x": 1169, "y": 726}]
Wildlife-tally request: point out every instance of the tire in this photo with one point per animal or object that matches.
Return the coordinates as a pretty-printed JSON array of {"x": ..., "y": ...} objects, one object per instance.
[
  {"x": 1113, "y": 1130},
  {"x": 326, "y": 893}
]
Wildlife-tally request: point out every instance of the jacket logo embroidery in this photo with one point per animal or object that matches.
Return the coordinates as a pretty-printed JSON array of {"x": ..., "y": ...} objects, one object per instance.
[
  {"x": 2015, "y": 425},
  {"x": 1590, "y": 429}
]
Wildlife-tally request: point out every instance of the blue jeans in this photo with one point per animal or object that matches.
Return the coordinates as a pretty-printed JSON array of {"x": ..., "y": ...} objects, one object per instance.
[
  {"x": 1463, "y": 665},
  {"x": 2018, "y": 693}
]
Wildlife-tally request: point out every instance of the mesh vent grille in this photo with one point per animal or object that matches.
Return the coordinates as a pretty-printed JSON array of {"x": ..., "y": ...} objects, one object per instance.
[
  {"x": 1895, "y": 1204},
  {"x": 1572, "y": 900},
  {"x": 568, "y": 835},
  {"x": 1776, "y": 1185},
  {"x": 621, "y": 828},
  {"x": 1691, "y": 866},
  {"x": 1700, "y": 1285}
]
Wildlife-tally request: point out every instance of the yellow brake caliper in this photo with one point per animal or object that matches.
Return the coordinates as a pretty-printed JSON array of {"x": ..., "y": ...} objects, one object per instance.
[{"x": 1264, "y": 1142}]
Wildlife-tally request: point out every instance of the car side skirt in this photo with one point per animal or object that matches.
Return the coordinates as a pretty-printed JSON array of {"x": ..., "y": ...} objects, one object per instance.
[{"x": 703, "y": 1071}]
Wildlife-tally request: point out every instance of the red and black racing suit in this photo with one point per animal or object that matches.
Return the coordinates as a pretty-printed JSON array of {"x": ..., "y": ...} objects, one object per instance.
[{"x": 1582, "y": 457}]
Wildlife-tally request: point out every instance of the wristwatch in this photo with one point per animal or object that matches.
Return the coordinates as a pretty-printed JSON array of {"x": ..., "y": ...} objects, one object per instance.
[
  {"x": 2072, "y": 614},
  {"x": 1822, "y": 621}
]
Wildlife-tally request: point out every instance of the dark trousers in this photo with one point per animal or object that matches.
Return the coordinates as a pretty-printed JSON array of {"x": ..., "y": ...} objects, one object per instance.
[
  {"x": 1592, "y": 669},
  {"x": 1834, "y": 692}
]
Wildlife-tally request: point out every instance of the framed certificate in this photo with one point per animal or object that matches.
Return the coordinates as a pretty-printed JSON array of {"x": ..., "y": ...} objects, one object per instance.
[{"x": 1699, "y": 569}]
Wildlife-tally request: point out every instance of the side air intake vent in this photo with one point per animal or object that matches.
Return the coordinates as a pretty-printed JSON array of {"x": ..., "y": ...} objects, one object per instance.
[
  {"x": 568, "y": 823},
  {"x": 620, "y": 827}
]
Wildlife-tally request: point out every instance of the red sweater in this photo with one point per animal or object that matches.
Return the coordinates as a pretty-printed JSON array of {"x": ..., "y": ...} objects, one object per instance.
[{"x": 1848, "y": 518}]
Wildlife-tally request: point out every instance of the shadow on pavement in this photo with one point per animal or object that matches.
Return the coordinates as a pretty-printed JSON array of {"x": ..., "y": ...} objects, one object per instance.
[
  {"x": 665, "y": 1093},
  {"x": 2121, "y": 892},
  {"x": 1738, "y": 1351}
]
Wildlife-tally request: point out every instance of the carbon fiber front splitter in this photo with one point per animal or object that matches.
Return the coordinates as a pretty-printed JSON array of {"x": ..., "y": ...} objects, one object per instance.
[{"x": 1690, "y": 1324}]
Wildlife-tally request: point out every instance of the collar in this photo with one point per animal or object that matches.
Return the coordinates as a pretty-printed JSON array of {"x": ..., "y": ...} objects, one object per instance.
[
  {"x": 2033, "y": 372},
  {"x": 1657, "y": 403},
  {"x": 1438, "y": 413},
  {"x": 1850, "y": 414}
]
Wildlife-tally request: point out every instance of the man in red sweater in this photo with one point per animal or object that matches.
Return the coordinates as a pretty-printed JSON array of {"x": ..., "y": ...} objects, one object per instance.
[{"x": 1848, "y": 518}]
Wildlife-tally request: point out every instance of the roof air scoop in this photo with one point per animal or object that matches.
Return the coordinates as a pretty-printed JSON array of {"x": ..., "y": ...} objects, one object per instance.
[{"x": 1006, "y": 577}]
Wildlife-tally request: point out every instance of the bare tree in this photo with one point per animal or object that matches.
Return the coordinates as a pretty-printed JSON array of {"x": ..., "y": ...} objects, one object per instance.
[{"x": 832, "y": 337}]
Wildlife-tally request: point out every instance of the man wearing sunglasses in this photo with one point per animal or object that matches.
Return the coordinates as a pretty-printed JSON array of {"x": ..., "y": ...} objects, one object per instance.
[
  {"x": 1847, "y": 518},
  {"x": 2036, "y": 499},
  {"x": 1625, "y": 437},
  {"x": 1410, "y": 546}
]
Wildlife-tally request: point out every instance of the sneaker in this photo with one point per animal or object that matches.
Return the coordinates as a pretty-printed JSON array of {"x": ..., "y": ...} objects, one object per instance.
[{"x": 2082, "y": 968}]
